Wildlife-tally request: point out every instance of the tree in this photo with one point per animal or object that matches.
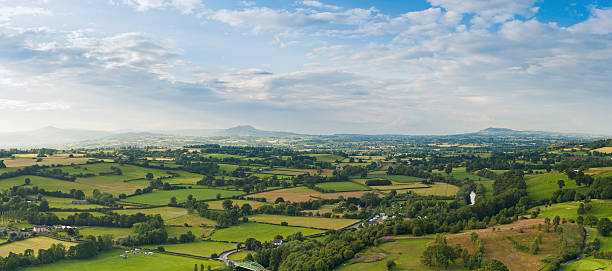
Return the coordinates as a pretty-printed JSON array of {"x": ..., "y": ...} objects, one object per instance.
[
  {"x": 27, "y": 181},
  {"x": 172, "y": 201},
  {"x": 218, "y": 195},
  {"x": 279, "y": 200},
  {"x": 449, "y": 169},
  {"x": 227, "y": 204},
  {"x": 604, "y": 226},
  {"x": 2, "y": 165},
  {"x": 495, "y": 265},
  {"x": 561, "y": 184},
  {"x": 390, "y": 264},
  {"x": 44, "y": 206},
  {"x": 149, "y": 176},
  {"x": 581, "y": 209}
]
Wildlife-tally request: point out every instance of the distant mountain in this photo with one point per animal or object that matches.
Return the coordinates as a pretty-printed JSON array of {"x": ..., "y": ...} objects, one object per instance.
[
  {"x": 248, "y": 130},
  {"x": 505, "y": 132},
  {"x": 47, "y": 136}
]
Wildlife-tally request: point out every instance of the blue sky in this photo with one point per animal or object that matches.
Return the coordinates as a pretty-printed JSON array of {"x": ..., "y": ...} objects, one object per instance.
[{"x": 412, "y": 67}]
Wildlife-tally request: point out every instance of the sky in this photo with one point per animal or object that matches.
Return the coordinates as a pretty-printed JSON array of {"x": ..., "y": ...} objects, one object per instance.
[{"x": 355, "y": 66}]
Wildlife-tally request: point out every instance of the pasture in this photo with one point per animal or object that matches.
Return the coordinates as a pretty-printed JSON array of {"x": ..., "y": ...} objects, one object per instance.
[
  {"x": 600, "y": 208},
  {"x": 604, "y": 150},
  {"x": 199, "y": 232},
  {"x": 301, "y": 193},
  {"x": 48, "y": 184},
  {"x": 542, "y": 186},
  {"x": 439, "y": 189},
  {"x": 241, "y": 255},
  {"x": 400, "y": 186},
  {"x": 46, "y": 161},
  {"x": 171, "y": 216},
  {"x": 396, "y": 178},
  {"x": 198, "y": 248},
  {"x": 66, "y": 203},
  {"x": 305, "y": 221},
  {"x": 98, "y": 231},
  {"x": 217, "y": 204},
  {"x": 327, "y": 157},
  {"x": 499, "y": 247},
  {"x": 110, "y": 260},
  {"x": 342, "y": 186},
  {"x": 163, "y": 197},
  {"x": 597, "y": 170},
  {"x": 34, "y": 243},
  {"x": 261, "y": 232},
  {"x": 62, "y": 215}
]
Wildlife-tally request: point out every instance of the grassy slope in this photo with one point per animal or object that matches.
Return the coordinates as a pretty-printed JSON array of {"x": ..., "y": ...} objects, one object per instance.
[
  {"x": 601, "y": 208},
  {"x": 541, "y": 187},
  {"x": 34, "y": 243},
  {"x": 199, "y": 248},
  {"x": 172, "y": 215}
]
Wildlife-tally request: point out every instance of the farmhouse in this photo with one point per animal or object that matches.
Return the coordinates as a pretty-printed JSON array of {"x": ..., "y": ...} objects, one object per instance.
[
  {"x": 80, "y": 202},
  {"x": 277, "y": 242},
  {"x": 40, "y": 228}
]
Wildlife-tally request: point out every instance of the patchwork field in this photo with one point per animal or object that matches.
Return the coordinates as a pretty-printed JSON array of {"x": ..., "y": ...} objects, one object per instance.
[
  {"x": 163, "y": 197},
  {"x": 305, "y": 221},
  {"x": 261, "y": 232},
  {"x": 34, "y": 243},
  {"x": 342, "y": 186},
  {"x": 172, "y": 216},
  {"x": 600, "y": 208},
  {"x": 110, "y": 260}
]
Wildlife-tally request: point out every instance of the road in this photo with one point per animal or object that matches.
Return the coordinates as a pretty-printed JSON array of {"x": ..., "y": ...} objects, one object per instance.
[{"x": 224, "y": 257}]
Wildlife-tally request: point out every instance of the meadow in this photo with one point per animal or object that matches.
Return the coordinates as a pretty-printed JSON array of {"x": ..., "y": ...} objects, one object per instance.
[
  {"x": 342, "y": 186},
  {"x": 305, "y": 221},
  {"x": 542, "y": 186},
  {"x": 110, "y": 260},
  {"x": 218, "y": 204},
  {"x": 66, "y": 203},
  {"x": 163, "y": 197},
  {"x": 600, "y": 208},
  {"x": 66, "y": 214},
  {"x": 46, "y": 161},
  {"x": 34, "y": 243},
  {"x": 397, "y": 178},
  {"x": 301, "y": 193},
  {"x": 48, "y": 184},
  {"x": 172, "y": 216},
  {"x": 259, "y": 231},
  {"x": 98, "y": 231},
  {"x": 198, "y": 248}
]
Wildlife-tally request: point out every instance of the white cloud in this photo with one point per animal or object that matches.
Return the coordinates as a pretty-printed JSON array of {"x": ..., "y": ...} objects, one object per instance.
[
  {"x": 318, "y": 4},
  {"x": 184, "y": 6},
  {"x": 599, "y": 23},
  {"x": 487, "y": 12},
  {"x": 7, "y": 13}
]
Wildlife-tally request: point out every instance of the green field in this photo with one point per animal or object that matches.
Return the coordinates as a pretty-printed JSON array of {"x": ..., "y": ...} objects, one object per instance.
[
  {"x": 541, "y": 187},
  {"x": 218, "y": 204},
  {"x": 98, "y": 231},
  {"x": 172, "y": 215},
  {"x": 197, "y": 231},
  {"x": 66, "y": 214},
  {"x": 326, "y": 157},
  {"x": 590, "y": 264},
  {"x": 110, "y": 260},
  {"x": 239, "y": 256},
  {"x": 46, "y": 183},
  {"x": 261, "y": 232},
  {"x": 163, "y": 197},
  {"x": 305, "y": 221},
  {"x": 397, "y": 178},
  {"x": 601, "y": 208},
  {"x": 34, "y": 243},
  {"x": 66, "y": 203},
  {"x": 342, "y": 186},
  {"x": 198, "y": 248}
]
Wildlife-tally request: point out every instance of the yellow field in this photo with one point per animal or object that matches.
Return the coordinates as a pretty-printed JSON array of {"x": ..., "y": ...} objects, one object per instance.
[
  {"x": 172, "y": 216},
  {"x": 440, "y": 189},
  {"x": 604, "y": 150},
  {"x": 597, "y": 170},
  {"x": 54, "y": 160},
  {"x": 34, "y": 243},
  {"x": 399, "y": 186},
  {"x": 298, "y": 194}
]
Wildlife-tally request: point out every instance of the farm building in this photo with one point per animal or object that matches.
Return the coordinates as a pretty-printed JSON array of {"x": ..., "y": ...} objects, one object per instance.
[{"x": 40, "y": 228}]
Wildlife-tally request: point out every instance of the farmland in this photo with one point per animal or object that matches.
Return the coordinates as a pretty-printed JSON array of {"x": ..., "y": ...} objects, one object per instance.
[
  {"x": 541, "y": 187},
  {"x": 341, "y": 186},
  {"x": 163, "y": 197},
  {"x": 31, "y": 243},
  {"x": 259, "y": 231},
  {"x": 172, "y": 215},
  {"x": 600, "y": 208},
  {"x": 313, "y": 222}
]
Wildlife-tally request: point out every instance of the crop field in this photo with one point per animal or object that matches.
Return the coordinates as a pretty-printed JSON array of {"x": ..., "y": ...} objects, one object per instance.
[
  {"x": 541, "y": 187},
  {"x": 327, "y": 157},
  {"x": 46, "y": 161},
  {"x": 600, "y": 208},
  {"x": 296, "y": 194},
  {"x": 198, "y": 248},
  {"x": 218, "y": 204},
  {"x": 342, "y": 186},
  {"x": 172, "y": 216},
  {"x": 296, "y": 172},
  {"x": 98, "y": 231},
  {"x": 400, "y": 186},
  {"x": 227, "y": 168},
  {"x": 403, "y": 250},
  {"x": 597, "y": 170},
  {"x": 396, "y": 178},
  {"x": 497, "y": 246},
  {"x": 34, "y": 243},
  {"x": 259, "y": 231},
  {"x": 305, "y": 221},
  {"x": 439, "y": 189},
  {"x": 66, "y": 203},
  {"x": 163, "y": 197},
  {"x": 110, "y": 260}
]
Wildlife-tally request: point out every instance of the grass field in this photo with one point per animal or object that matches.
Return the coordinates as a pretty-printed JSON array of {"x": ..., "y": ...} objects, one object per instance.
[
  {"x": 66, "y": 214},
  {"x": 110, "y": 260},
  {"x": 163, "y": 197},
  {"x": 115, "y": 232},
  {"x": 397, "y": 178},
  {"x": 66, "y": 203},
  {"x": 239, "y": 256},
  {"x": 217, "y": 204},
  {"x": 590, "y": 264},
  {"x": 541, "y": 187},
  {"x": 261, "y": 232},
  {"x": 404, "y": 251},
  {"x": 305, "y": 221},
  {"x": 498, "y": 247},
  {"x": 604, "y": 150},
  {"x": 400, "y": 186},
  {"x": 199, "y": 248},
  {"x": 601, "y": 208},
  {"x": 342, "y": 186},
  {"x": 199, "y": 232},
  {"x": 327, "y": 157},
  {"x": 34, "y": 243},
  {"x": 597, "y": 170},
  {"x": 440, "y": 189},
  {"x": 47, "y": 183},
  {"x": 172, "y": 216}
]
